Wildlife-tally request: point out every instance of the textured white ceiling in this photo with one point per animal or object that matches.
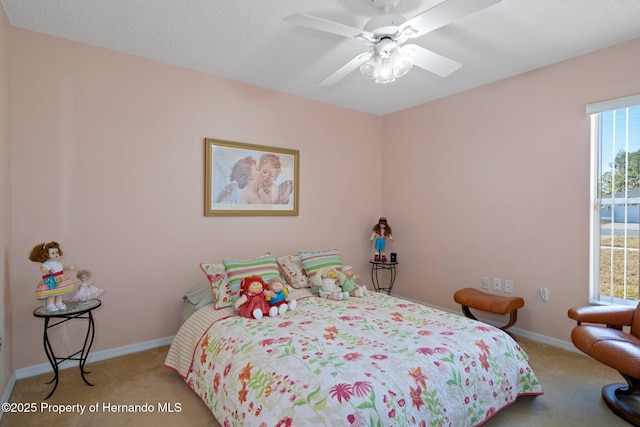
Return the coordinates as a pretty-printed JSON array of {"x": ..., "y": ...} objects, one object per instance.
[{"x": 248, "y": 41}]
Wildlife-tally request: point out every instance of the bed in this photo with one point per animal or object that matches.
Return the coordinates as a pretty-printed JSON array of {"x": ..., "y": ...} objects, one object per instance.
[{"x": 375, "y": 361}]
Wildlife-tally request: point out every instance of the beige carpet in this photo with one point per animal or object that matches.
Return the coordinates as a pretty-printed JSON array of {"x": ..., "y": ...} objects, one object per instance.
[{"x": 571, "y": 383}]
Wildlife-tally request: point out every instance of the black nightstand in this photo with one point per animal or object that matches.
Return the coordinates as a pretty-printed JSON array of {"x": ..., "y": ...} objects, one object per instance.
[
  {"x": 74, "y": 310},
  {"x": 376, "y": 266}
]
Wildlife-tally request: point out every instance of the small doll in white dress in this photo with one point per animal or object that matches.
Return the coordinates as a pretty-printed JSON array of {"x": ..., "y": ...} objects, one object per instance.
[{"x": 86, "y": 290}]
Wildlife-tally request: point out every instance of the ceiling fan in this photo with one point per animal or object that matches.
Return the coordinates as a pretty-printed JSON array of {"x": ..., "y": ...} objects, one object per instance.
[{"x": 388, "y": 57}]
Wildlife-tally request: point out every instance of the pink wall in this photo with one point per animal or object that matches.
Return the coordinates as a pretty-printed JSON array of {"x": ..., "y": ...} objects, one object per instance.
[
  {"x": 495, "y": 182},
  {"x": 108, "y": 160},
  {"x": 6, "y": 368}
]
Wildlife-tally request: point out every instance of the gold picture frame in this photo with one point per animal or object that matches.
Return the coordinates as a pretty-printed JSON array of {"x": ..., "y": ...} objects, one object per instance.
[{"x": 247, "y": 179}]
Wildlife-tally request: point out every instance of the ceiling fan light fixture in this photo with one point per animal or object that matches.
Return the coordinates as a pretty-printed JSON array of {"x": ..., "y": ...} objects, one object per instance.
[
  {"x": 385, "y": 72},
  {"x": 385, "y": 34},
  {"x": 400, "y": 62},
  {"x": 386, "y": 69},
  {"x": 370, "y": 68}
]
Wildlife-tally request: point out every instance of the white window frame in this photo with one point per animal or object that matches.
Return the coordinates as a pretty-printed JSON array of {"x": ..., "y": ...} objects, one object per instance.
[{"x": 594, "y": 110}]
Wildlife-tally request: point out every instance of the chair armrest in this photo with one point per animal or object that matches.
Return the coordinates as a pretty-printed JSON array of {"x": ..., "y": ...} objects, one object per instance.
[{"x": 618, "y": 315}]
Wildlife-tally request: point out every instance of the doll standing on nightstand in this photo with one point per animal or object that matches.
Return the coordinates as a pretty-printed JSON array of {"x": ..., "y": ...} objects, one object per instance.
[
  {"x": 86, "y": 290},
  {"x": 54, "y": 283},
  {"x": 381, "y": 232}
]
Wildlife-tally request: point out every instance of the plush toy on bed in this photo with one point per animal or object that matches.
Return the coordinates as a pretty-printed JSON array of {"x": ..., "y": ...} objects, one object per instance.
[
  {"x": 327, "y": 284},
  {"x": 252, "y": 302},
  {"x": 54, "y": 283},
  {"x": 280, "y": 301},
  {"x": 350, "y": 284}
]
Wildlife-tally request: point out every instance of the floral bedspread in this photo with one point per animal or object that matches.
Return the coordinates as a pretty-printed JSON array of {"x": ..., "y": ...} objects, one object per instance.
[{"x": 372, "y": 361}]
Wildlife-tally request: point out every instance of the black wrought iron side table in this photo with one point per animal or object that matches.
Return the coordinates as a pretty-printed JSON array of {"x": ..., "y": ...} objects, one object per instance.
[
  {"x": 74, "y": 310},
  {"x": 376, "y": 267}
]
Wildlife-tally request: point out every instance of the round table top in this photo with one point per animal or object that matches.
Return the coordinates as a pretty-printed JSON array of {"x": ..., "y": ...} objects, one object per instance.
[
  {"x": 383, "y": 262},
  {"x": 73, "y": 307}
]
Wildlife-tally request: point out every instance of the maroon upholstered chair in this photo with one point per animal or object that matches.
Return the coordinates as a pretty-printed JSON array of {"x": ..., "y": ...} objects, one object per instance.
[{"x": 608, "y": 343}]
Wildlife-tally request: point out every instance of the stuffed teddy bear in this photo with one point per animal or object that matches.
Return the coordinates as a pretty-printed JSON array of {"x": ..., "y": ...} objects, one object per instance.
[
  {"x": 54, "y": 283},
  {"x": 279, "y": 300},
  {"x": 327, "y": 283},
  {"x": 252, "y": 302},
  {"x": 350, "y": 283}
]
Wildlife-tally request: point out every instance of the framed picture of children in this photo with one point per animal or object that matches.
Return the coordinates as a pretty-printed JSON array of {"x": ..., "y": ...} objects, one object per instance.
[{"x": 248, "y": 179}]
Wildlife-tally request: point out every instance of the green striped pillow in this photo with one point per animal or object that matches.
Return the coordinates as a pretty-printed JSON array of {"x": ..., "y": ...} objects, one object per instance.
[
  {"x": 312, "y": 262},
  {"x": 237, "y": 269}
]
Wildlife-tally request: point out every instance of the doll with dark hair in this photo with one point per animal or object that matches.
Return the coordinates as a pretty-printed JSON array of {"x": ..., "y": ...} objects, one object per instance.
[
  {"x": 54, "y": 283},
  {"x": 381, "y": 232},
  {"x": 86, "y": 290}
]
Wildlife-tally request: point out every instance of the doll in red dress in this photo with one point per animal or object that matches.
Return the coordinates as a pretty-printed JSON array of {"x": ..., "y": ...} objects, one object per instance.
[{"x": 252, "y": 302}]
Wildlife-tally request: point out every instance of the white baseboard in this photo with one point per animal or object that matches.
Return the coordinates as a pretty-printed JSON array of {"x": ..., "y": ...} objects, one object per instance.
[
  {"x": 44, "y": 368},
  {"x": 554, "y": 342},
  {"x": 7, "y": 391}
]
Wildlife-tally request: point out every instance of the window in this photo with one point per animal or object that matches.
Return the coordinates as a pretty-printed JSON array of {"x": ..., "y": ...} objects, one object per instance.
[{"x": 615, "y": 237}]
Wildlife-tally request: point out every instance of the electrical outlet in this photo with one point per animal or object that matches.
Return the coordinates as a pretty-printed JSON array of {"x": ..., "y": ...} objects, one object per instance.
[
  {"x": 485, "y": 283},
  {"x": 497, "y": 284},
  {"x": 508, "y": 286}
]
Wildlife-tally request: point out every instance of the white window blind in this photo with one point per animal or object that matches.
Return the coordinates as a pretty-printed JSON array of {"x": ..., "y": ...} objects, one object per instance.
[
  {"x": 615, "y": 215},
  {"x": 613, "y": 104}
]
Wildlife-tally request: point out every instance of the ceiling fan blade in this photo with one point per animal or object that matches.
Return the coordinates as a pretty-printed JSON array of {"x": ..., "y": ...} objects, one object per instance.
[
  {"x": 327, "y": 26},
  {"x": 347, "y": 68},
  {"x": 441, "y": 15},
  {"x": 431, "y": 61}
]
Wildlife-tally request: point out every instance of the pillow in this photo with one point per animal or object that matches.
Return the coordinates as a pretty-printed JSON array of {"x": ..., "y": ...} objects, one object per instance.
[
  {"x": 264, "y": 266},
  {"x": 222, "y": 295},
  {"x": 314, "y": 261},
  {"x": 199, "y": 297},
  {"x": 291, "y": 268}
]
